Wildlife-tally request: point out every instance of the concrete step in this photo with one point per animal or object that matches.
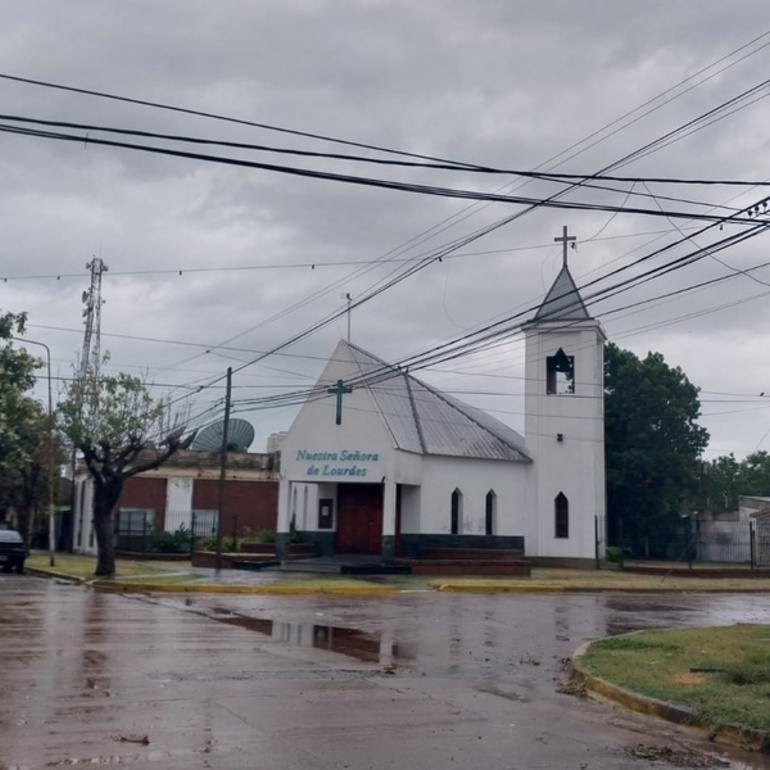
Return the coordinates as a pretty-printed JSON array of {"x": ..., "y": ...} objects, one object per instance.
[{"x": 305, "y": 567}]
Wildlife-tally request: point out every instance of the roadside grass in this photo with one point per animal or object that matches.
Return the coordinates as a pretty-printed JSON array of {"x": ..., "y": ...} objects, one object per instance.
[
  {"x": 721, "y": 674},
  {"x": 84, "y": 566},
  {"x": 554, "y": 579},
  {"x": 167, "y": 579},
  {"x": 542, "y": 579}
]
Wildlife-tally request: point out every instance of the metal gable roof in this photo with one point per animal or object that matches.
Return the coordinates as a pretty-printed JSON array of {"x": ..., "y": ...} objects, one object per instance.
[
  {"x": 424, "y": 420},
  {"x": 563, "y": 302}
]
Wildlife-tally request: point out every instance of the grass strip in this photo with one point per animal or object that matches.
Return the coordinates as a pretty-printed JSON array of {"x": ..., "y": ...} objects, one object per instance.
[
  {"x": 720, "y": 675},
  {"x": 84, "y": 566}
]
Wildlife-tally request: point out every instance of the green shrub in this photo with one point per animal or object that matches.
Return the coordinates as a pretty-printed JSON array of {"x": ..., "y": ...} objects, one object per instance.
[
  {"x": 209, "y": 543},
  {"x": 257, "y": 536},
  {"x": 170, "y": 542},
  {"x": 266, "y": 536},
  {"x": 614, "y": 554}
]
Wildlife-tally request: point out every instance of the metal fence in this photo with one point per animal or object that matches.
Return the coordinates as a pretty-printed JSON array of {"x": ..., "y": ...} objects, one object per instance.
[
  {"x": 730, "y": 544},
  {"x": 137, "y": 530}
]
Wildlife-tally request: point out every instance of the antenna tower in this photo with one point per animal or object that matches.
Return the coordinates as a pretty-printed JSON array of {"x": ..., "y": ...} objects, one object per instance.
[{"x": 91, "y": 354}]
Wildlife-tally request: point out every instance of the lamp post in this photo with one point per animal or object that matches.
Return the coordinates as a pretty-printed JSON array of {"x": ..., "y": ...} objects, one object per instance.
[{"x": 51, "y": 457}]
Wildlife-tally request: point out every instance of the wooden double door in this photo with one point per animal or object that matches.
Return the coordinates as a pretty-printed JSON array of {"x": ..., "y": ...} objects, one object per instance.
[{"x": 359, "y": 518}]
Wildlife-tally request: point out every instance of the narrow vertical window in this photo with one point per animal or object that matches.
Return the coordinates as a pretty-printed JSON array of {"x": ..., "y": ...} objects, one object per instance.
[
  {"x": 457, "y": 512},
  {"x": 560, "y": 374},
  {"x": 491, "y": 513},
  {"x": 561, "y": 508}
]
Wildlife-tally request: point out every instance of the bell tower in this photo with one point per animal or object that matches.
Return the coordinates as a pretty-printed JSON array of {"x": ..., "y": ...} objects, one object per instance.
[{"x": 564, "y": 423}]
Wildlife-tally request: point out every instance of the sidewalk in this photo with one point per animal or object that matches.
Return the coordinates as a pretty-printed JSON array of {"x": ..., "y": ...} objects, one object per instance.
[{"x": 181, "y": 577}]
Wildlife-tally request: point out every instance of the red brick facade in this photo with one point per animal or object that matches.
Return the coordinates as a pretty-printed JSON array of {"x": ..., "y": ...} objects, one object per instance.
[
  {"x": 251, "y": 505},
  {"x": 143, "y": 492}
]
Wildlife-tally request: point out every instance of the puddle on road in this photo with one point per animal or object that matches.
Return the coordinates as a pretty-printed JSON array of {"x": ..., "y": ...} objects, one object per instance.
[{"x": 360, "y": 645}]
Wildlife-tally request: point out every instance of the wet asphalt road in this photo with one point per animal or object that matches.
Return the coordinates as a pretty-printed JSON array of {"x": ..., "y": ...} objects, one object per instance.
[{"x": 421, "y": 680}]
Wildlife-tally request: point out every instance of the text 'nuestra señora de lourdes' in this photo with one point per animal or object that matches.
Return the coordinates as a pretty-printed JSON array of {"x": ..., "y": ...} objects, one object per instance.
[{"x": 353, "y": 456}]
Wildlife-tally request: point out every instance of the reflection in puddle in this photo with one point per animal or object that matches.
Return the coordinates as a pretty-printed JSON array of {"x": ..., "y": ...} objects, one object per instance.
[{"x": 363, "y": 646}]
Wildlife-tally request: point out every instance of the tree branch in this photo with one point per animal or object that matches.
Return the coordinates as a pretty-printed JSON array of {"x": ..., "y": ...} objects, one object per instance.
[{"x": 173, "y": 444}]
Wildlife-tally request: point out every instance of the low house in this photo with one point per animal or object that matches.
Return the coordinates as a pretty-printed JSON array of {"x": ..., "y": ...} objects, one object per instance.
[
  {"x": 184, "y": 494},
  {"x": 758, "y": 511},
  {"x": 740, "y": 535}
]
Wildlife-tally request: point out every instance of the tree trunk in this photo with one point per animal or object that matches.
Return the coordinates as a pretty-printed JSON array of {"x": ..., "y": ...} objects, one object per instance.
[
  {"x": 26, "y": 500},
  {"x": 23, "y": 518},
  {"x": 106, "y": 495}
]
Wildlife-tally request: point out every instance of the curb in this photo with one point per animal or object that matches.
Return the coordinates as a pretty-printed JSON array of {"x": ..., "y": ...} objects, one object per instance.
[
  {"x": 46, "y": 572},
  {"x": 126, "y": 585},
  {"x": 745, "y": 738},
  {"x": 491, "y": 588},
  {"x": 119, "y": 586},
  {"x": 539, "y": 588}
]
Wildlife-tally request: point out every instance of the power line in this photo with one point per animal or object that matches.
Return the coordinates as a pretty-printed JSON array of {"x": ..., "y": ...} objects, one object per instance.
[{"x": 430, "y": 190}]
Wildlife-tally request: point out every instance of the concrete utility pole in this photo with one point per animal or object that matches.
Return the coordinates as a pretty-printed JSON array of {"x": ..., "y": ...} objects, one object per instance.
[{"x": 223, "y": 469}]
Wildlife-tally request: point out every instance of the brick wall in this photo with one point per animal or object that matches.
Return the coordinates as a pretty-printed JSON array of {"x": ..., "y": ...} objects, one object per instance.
[
  {"x": 140, "y": 492},
  {"x": 247, "y": 504}
]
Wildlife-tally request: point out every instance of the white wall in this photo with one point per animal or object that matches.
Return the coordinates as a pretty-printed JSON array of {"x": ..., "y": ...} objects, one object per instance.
[
  {"x": 511, "y": 482},
  {"x": 411, "y": 497},
  {"x": 179, "y": 492},
  {"x": 318, "y": 451},
  {"x": 575, "y": 465}
]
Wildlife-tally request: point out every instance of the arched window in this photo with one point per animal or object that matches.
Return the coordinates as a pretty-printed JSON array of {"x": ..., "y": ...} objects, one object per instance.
[
  {"x": 561, "y": 511},
  {"x": 491, "y": 513},
  {"x": 457, "y": 512}
]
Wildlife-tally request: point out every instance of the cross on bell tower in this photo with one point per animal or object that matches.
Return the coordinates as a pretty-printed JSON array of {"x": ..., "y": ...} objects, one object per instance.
[{"x": 564, "y": 240}]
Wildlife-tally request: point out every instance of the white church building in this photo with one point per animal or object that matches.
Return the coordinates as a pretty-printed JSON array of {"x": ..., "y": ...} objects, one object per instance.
[{"x": 379, "y": 463}]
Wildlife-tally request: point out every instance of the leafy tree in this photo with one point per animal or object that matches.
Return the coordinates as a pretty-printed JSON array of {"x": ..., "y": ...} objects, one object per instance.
[
  {"x": 121, "y": 431},
  {"x": 723, "y": 483},
  {"x": 652, "y": 442},
  {"x": 24, "y": 428},
  {"x": 30, "y": 482},
  {"x": 729, "y": 478}
]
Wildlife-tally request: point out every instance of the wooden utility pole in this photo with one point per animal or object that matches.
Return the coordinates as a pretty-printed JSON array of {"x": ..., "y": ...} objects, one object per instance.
[{"x": 223, "y": 469}]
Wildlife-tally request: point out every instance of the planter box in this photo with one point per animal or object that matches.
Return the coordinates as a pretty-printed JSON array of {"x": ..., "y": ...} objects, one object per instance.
[
  {"x": 294, "y": 550},
  {"x": 208, "y": 559},
  {"x": 147, "y": 556},
  {"x": 471, "y": 567}
]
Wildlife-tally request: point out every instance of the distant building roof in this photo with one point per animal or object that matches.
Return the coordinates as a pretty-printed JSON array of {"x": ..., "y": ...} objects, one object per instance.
[
  {"x": 424, "y": 420},
  {"x": 563, "y": 302}
]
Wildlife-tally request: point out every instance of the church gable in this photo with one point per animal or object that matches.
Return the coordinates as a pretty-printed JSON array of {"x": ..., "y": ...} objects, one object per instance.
[{"x": 340, "y": 414}]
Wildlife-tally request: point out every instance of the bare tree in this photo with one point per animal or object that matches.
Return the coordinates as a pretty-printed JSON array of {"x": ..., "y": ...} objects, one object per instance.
[{"x": 120, "y": 430}]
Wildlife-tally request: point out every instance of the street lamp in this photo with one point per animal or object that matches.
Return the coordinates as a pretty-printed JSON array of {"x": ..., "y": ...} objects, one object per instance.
[{"x": 51, "y": 457}]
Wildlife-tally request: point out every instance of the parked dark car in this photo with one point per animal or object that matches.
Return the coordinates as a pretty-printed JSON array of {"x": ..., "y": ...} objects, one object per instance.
[{"x": 13, "y": 551}]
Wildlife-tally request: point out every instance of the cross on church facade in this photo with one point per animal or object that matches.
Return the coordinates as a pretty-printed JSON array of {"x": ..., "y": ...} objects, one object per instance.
[
  {"x": 339, "y": 390},
  {"x": 564, "y": 240}
]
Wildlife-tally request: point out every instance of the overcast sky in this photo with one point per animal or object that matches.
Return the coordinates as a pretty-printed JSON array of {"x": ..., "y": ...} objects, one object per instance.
[{"x": 210, "y": 265}]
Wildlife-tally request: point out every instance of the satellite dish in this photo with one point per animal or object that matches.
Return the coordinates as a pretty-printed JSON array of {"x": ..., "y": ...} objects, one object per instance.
[{"x": 240, "y": 434}]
